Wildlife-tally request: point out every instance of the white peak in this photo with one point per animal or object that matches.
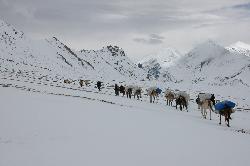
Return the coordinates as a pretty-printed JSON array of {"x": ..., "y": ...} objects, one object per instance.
[
  {"x": 240, "y": 45},
  {"x": 207, "y": 49},
  {"x": 164, "y": 56}
]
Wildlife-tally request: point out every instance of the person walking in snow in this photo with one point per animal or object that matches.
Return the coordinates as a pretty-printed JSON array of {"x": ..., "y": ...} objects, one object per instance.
[
  {"x": 213, "y": 99},
  {"x": 117, "y": 89},
  {"x": 99, "y": 84}
]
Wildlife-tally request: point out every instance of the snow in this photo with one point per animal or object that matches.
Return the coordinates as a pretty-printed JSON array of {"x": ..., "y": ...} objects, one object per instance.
[
  {"x": 44, "y": 121},
  {"x": 41, "y": 129}
]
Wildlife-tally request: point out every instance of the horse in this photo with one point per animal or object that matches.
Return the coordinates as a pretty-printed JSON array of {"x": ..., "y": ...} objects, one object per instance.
[
  {"x": 204, "y": 105},
  {"x": 180, "y": 100},
  {"x": 170, "y": 96}
]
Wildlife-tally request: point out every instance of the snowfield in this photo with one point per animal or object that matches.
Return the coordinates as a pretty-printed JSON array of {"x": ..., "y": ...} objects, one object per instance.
[{"x": 45, "y": 129}]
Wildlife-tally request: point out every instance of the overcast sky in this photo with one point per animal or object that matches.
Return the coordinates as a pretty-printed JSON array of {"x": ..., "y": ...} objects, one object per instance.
[{"x": 140, "y": 27}]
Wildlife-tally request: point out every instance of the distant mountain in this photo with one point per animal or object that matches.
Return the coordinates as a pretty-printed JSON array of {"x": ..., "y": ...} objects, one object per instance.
[
  {"x": 165, "y": 57},
  {"x": 211, "y": 64},
  {"x": 207, "y": 64},
  {"x": 112, "y": 62},
  {"x": 51, "y": 56},
  {"x": 157, "y": 63}
]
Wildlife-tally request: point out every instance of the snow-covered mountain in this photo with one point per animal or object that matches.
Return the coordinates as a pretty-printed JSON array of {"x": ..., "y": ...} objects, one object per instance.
[
  {"x": 211, "y": 64},
  {"x": 18, "y": 52},
  {"x": 111, "y": 62},
  {"x": 240, "y": 47},
  {"x": 156, "y": 64},
  {"x": 166, "y": 57}
]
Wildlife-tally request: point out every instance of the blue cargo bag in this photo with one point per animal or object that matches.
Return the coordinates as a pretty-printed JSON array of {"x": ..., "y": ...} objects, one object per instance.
[
  {"x": 224, "y": 104},
  {"x": 158, "y": 90}
]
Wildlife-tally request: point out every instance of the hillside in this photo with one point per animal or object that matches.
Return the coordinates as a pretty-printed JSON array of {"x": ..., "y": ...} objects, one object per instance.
[
  {"x": 52, "y": 57},
  {"x": 111, "y": 63}
]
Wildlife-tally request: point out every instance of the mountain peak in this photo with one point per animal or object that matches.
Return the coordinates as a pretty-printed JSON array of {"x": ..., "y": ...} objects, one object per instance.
[
  {"x": 165, "y": 57},
  {"x": 115, "y": 50},
  {"x": 240, "y": 45},
  {"x": 208, "y": 48}
]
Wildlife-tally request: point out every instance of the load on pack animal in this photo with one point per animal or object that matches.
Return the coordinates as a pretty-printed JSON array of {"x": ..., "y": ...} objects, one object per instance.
[
  {"x": 82, "y": 82},
  {"x": 67, "y": 81}
]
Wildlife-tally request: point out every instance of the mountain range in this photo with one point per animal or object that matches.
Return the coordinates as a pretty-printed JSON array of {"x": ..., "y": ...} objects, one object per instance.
[{"x": 207, "y": 64}]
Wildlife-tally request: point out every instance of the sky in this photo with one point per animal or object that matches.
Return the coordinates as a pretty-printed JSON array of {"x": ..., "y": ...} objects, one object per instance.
[{"x": 140, "y": 27}]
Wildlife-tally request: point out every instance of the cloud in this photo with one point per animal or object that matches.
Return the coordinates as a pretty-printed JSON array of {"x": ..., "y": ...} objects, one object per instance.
[
  {"x": 245, "y": 6},
  {"x": 151, "y": 39},
  {"x": 130, "y": 24}
]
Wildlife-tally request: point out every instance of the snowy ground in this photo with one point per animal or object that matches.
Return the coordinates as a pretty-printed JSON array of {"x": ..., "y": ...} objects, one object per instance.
[{"x": 49, "y": 123}]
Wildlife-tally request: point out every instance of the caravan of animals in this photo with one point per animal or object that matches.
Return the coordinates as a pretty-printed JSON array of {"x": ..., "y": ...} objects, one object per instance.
[
  {"x": 109, "y": 68},
  {"x": 205, "y": 101}
]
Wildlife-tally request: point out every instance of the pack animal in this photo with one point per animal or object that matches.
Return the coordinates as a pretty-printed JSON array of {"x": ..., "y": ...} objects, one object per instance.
[
  {"x": 182, "y": 102},
  {"x": 67, "y": 81},
  {"x": 205, "y": 102},
  {"x": 204, "y": 106},
  {"x": 122, "y": 90},
  {"x": 152, "y": 96},
  {"x": 129, "y": 91},
  {"x": 170, "y": 96},
  {"x": 227, "y": 114},
  {"x": 137, "y": 93}
]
